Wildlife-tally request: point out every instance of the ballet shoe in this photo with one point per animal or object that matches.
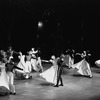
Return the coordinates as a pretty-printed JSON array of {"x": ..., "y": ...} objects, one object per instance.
[
  {"x": 12, "y": 93},
  {"x": 61, "y": 85},
  {"x": 90, "y": 76}
]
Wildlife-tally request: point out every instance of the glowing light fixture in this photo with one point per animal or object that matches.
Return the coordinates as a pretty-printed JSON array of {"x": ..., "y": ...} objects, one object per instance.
[{"x": 40, "y": 24}]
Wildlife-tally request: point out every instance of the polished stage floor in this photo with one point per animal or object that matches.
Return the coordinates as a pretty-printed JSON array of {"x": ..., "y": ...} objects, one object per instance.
[{"x": 76, "y": 87}]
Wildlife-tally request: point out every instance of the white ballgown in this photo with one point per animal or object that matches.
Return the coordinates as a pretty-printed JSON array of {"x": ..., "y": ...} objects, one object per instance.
[
  {"x": 97, "y": 62},
  {"x": 21, "y": 64},
  {"x": 34, "y": 64},
  {"x": 68, "y": 61},
  {"x": 83, "y": 68},
  {"x": 51, "y": 74},
  {"x": 4, "y": 82},
  {"x": 28, "y": 67},
  {"x": 20, "y": 74}
]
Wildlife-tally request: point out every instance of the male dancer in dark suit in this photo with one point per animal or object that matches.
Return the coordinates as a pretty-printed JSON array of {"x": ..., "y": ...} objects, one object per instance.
[{"x": 59, "y": 72}]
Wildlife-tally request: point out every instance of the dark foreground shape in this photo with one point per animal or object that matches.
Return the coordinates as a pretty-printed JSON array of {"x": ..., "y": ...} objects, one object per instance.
[{"x": 4, "y": 91}]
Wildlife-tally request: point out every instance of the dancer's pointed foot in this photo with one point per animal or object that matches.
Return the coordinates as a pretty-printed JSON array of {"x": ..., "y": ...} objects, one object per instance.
[{"x": 90, "y": 76}]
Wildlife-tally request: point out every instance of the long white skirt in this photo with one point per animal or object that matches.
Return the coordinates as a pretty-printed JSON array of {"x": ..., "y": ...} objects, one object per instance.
[
  {"x": 20, "y": 65},
  {"x": 83, "y": 68},
  {"x": 4, "y": 84},
  {"x": 50, "y": 74},
  {"x": 4, "y": 79},
  {"x": 34, "y": 64},
  {"x": 68, "y": 61},
  {"x": 97, "y": 62},
  {"x": 20, "y": 74}
]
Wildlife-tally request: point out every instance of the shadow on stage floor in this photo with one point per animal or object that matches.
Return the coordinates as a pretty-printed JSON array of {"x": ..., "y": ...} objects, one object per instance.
[
  {"x": 76, "y": 87},
  {"x": 45, "y": 84}
]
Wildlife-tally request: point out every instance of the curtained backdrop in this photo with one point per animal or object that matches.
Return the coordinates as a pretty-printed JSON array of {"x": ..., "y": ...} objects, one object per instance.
[{"x": 66, "y": 24}]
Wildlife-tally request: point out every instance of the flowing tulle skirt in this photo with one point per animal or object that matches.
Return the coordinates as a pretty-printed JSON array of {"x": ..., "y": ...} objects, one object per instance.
[
  {"x": 19, "y": 74},
  {"x": 4, "y": 84},
  {"x": 50, "y": 74},
  {"x": 97, "y": 62},
  {"x": 83, "y": 68}
]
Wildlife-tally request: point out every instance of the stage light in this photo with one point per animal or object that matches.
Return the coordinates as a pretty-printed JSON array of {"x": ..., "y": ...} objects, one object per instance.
[{"x": 40, "y": 24}]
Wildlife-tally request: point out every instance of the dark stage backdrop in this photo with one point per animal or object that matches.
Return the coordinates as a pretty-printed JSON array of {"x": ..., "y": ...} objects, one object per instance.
[{"x": 66, "y": 24}]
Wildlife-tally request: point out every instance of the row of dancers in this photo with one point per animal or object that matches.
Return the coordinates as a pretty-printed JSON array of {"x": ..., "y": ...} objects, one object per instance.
[
  {"x": 82, "y": 66},
  {"x": 30, "y": 62},
  {"x": 53, "y": 74},
  {"x": 10, "y": 69}
]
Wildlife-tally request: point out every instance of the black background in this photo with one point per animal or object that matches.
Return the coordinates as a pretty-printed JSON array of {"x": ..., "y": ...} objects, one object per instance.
[{"x": 66, "y": 24}]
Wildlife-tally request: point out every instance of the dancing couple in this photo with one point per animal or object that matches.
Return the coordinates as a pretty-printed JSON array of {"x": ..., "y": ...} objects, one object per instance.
[
  {"x": 53, "y": 74},
  {"x": 83, "y": 66}
]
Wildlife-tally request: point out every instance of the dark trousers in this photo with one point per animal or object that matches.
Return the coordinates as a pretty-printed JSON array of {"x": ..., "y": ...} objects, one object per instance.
[{"x": 59, "y": 78}]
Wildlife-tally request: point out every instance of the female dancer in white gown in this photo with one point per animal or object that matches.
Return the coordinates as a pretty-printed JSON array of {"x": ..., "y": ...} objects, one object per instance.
[
  {"x": 69, "y": 58},
  {"x": 24, "y": 64},
  {"x": 28, "y": 68},
  {"x": 20, "y": 74},
  {"x": 51, "y": 74},
  {"x": 83, "y": 66},
  {"x": 21, "y": 63},
  {"x": 68, "y": 61},
  {"x": 4, "y": 83}
]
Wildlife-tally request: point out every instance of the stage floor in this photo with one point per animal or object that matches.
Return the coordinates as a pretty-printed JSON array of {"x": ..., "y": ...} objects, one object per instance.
[{"x": 75, "y": 87}]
